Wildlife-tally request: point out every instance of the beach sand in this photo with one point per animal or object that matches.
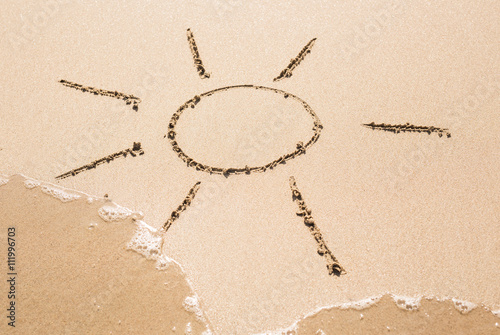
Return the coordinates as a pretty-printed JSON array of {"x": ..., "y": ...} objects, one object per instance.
[
  {"x": 76, "y": 272},
  {"x": 386, "y": 317},
  {"x": 407, "y": 214}
]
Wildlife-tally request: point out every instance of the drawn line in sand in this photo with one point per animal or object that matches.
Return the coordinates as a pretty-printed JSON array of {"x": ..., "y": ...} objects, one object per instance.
[
  {"x": 196, "y": 56},
  {"x": 182, "y": 207},
  {"x": 397, "y": 128},
  {"x": 128, "y": 98},
  {"x": 294, "y": 62},
  {"x": 332, "y": 264},
  {"x": 136, "y": 150},
  {"x": 300, "y": 147}
]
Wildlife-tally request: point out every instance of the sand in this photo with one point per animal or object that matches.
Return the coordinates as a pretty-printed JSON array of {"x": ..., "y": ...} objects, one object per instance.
[
  {"x": 76, "y": 272},
  {"x": 429, "y": 316},
  {"x": 79, "y": 268},
  {"x": 409, "y": 213}
]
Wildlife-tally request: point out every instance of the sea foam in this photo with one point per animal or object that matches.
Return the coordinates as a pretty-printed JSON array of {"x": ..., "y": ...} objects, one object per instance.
[
  {"x": 192, "y": 305},
  {"x": 3, "y": 181},
  {"x": 189, "y": 329},
  {"x": 146, "y": 241},
  {"x": 408, "y": 303},
  {"x": 462, "y": 306},
  {"x": 31, "y": 183},
  {"x": 57, "y": 192},
  {"x": 113, "y": 212},
  {"x": 60, "y": 194},
  {"x": 360, "y": 304}
]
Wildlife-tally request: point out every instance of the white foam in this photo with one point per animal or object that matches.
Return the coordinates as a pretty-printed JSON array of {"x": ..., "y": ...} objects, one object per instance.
[
  {"x": 357, "y": 305},
  {"x": 192, "y": 305},
  {"x": 114, "y": 212},
  {"x": 163, "y": 262},
  {"x": 137, "y": 215},
  {"x": 189, "y": 329},
  {"x": 147, "y": 242},
  {"x": 408, "y": 303},
  {"x": 360, "y": 304},
  {"x": 207, "y": 332},
  {"x": 31, "y": 183},
  {"x": 496, "y": 313},
  {"x": 63, "y": 195},
  {"x": 3, "y": 180},
  {"x": 463, "y": 306}
]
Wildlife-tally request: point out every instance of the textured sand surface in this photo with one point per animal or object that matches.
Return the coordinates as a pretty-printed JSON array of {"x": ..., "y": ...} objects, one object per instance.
[
  {"x": 76, "y": 274},
  {"x": 409, "y": 213},
  {"x": 386, "y": 317}
]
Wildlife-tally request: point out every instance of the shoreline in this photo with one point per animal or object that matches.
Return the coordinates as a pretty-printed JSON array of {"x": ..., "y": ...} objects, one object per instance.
[{"x": 109, "y": 211}]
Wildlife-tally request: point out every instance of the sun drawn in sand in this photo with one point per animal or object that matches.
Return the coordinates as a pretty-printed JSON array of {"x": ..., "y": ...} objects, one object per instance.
[{"x": 333, "y": 265}]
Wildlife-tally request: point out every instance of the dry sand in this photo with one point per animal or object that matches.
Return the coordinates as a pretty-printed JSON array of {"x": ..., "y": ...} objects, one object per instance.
[{"x": 409, "y": 214}]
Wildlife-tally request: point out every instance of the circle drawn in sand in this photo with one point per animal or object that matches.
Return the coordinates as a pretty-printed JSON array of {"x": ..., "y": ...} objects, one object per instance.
[{"x": 300, "y": 148}]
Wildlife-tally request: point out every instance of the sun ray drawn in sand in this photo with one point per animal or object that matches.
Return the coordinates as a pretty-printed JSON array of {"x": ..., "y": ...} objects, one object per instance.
[
  {"x": 294, "y": 62},
  {"x": 196, "y": 56},
  {"x": 136, "y": 150},
  {"x": 398, "y": 128},
  {"x": 128, "y": 98}
]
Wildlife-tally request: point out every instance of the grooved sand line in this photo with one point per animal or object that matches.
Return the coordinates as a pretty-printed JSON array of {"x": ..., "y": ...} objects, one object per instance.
[
  {"x": 136, "y": 150},
  {"x": 128, "y": 98},
  {"x": 196, "y": 56},
  {"x": 182, "y": 207},
  {"x": 301, "y": 147},
  {"x": 397, "y": 128},
  {"x": 294, "y": 62},
  {"x": 333, "y": 266}
]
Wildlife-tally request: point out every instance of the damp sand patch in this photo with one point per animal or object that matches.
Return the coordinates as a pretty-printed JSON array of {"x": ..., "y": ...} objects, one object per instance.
[
  {"x": 386, "y": 314},
  {"x": 111, "y": 274}
]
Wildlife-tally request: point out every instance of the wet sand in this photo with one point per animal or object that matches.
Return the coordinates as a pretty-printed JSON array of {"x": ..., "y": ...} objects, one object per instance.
[
  {"x": 77, "y": 273},
  {"x": 386, "y": 317}
]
